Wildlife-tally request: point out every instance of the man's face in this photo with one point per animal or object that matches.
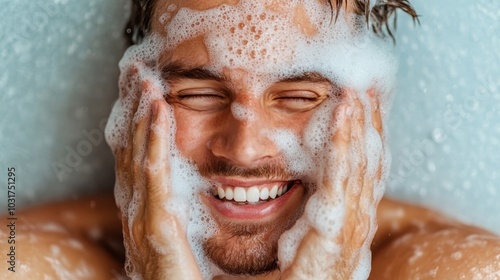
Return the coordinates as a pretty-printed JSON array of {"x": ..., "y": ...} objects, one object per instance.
[{"x": 234, "y": 84}]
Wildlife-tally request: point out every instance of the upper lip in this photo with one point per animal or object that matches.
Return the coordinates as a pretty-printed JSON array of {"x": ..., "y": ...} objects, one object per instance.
[{"x": 235, "y": 182}]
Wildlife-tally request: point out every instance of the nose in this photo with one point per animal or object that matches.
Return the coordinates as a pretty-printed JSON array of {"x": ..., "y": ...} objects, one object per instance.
[{"x": 242, "y": 143}]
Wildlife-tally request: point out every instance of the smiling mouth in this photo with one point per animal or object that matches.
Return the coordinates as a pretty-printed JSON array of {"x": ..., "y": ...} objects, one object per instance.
[{"x": 255, "y": 194}]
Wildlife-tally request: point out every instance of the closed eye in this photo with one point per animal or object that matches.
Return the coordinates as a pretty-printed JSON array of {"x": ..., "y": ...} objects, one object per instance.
[
  {"x": 200, "y": 99},
  {"x": 297, "y": 100}
]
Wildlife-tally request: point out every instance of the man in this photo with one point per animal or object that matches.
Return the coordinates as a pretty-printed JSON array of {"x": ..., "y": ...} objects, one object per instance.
[{"x": 229, "y": 118}]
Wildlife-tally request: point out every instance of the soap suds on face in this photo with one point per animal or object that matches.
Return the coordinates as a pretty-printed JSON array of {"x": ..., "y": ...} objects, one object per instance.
[
  {"x": 268, "y": 47},
  {"x": 241, "y": 113}
]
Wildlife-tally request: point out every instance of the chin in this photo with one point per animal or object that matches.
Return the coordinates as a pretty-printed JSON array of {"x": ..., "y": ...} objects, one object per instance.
[{"x": 249, "y": 247}]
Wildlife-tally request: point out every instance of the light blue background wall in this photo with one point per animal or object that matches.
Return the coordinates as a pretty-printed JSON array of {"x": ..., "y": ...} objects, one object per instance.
[
  {"x": 445, "y": 124},
  {"x": 58, "y": 73}
]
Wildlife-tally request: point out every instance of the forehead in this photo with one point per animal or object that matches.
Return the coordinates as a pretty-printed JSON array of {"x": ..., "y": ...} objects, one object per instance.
[
  {"x": 239, "y": 34},
  {"x": 302, "y": 14}
]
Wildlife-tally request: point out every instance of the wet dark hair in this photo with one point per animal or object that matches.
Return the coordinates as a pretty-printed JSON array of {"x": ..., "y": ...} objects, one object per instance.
[{"x": 378, "y": 17}]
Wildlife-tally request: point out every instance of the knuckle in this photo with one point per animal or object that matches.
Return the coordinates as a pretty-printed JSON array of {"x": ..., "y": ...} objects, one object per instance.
[{"x": 153, "y": 137}]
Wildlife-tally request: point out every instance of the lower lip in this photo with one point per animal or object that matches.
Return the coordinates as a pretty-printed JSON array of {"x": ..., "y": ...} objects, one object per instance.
[{"x": 233, "y": 210}]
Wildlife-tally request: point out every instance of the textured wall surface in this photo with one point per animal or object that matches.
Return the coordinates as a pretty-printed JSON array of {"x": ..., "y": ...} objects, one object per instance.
[
  {"x": 445, "y": 123},
  {"x": 58, "y": 73}
]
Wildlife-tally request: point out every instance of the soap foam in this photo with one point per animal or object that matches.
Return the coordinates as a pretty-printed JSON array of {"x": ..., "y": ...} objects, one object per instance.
[
  {"x": 241, "y": 113},
  {"x": 262, "y": 42}
]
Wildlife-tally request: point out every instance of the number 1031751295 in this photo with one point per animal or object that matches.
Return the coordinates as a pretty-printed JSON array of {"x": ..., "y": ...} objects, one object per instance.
[{"x": 11, "y": 190}]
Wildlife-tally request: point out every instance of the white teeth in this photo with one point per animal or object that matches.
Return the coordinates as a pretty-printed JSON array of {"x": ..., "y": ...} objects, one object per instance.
[
  {"x": 251, "y": 195},
  {"x": 240, "y": 195},
  {"x": 221, "y": 193},
  {"x": 229, "y": 193},
  {"x": 273, "y": 192},
  {"x": 264, "y": 194}
]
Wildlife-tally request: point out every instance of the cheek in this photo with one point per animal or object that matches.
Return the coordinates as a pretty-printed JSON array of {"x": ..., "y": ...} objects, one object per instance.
[
  {"x": 192, "y": 134},
  {"x": 296, "y": 124}
]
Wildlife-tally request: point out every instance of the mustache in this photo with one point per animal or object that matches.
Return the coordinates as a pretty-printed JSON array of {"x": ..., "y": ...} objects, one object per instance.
[{"x": 217, "y": 167}]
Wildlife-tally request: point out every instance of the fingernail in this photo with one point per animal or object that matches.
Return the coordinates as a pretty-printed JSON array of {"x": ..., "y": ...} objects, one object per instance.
[{"x": 371, "y": 92}]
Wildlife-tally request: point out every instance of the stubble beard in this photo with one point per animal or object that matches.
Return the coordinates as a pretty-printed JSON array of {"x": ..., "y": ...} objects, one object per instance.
[{"x": 248, "y": 249}]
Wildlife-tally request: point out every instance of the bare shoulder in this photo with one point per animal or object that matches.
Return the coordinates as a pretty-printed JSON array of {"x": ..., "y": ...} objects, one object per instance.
[
  {"x": 416, "y": 243},
  {"x": 74, "y": 239}
]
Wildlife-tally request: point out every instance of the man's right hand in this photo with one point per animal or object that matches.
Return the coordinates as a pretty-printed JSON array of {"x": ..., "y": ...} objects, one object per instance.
[{"x": 155, "y": 240}]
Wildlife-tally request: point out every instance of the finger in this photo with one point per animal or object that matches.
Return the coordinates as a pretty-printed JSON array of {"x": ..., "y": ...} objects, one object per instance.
[
  {"x": 359, "y": 193},
  {"x": 342, "y": 136},
  {"x": 131, "y": 104},
  {"x": 358, "y": 152},
  {"x": 375, "y": 108},
  {"x": 373, "y": 156},
  {"x": 159, "y": 136},
  {"x": 159, "y": 141},
  {"x": 359, "y": 127},
  {"x": 139, "y": 142},
  {"x": 140, "y": 133},
  {"x": 378, "y": 125},
  {"x": 335, "y": 181}
]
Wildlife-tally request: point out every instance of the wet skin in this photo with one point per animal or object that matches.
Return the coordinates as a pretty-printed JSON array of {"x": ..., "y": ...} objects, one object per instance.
[{"x": 200, "y": 106}]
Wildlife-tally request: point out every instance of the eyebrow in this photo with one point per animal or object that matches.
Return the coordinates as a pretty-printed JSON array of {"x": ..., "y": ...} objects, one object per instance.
[
  {"x": 313, "y": 77},
  {"x": 173, "y": 71}
]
